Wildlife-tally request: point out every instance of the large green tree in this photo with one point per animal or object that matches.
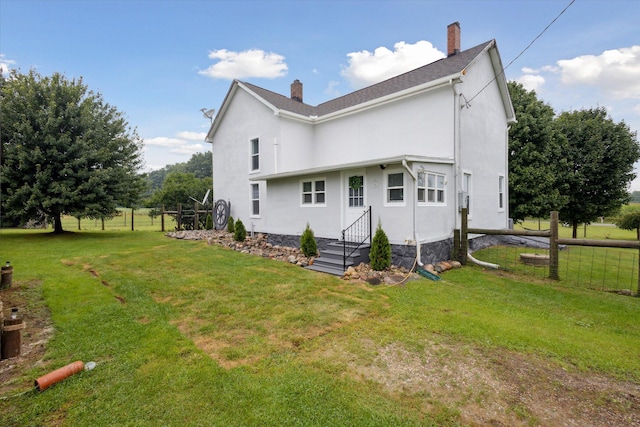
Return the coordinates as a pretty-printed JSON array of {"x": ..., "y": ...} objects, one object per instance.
[
  {"x": 178, "y": 188},
  {"x": 199, "y": 165},
  {"x": 600, "y": 154},
  {"x": 64, "y": 151},
  {"x": 534, "y": 157}
]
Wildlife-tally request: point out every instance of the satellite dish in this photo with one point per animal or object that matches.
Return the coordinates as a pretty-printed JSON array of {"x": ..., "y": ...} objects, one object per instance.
[
  {"x": 208, "y": 113},
  {"x": 204, "y": 199}
]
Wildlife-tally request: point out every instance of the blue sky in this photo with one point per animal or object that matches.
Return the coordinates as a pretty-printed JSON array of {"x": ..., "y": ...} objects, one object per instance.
[{"x": 160, "y": 62}]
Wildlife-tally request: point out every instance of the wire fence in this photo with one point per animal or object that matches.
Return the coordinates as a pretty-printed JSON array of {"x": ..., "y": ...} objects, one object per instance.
[{"x": 607, "y": 269}]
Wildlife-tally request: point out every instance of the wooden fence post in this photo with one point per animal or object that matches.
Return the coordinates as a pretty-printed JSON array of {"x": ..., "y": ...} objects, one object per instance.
[
  {"x": 132, "y": 219},
  {"x": 464, "y": 236},
  {"x": 179, "y": 216},
  {"x": 553, "y": 247},
  {"x": 456, "y": 244},
  {"x": 638, "y": 290},
  {"x": 162, "y": 218},
  {"x": 196, "y": 217}
]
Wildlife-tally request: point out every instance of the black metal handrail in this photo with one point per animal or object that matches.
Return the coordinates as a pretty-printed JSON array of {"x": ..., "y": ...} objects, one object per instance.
[{"x": 356, "y": 235}]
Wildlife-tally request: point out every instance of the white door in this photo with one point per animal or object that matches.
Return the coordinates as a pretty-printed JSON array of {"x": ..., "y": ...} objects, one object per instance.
[{"x": 355, "y": 204}]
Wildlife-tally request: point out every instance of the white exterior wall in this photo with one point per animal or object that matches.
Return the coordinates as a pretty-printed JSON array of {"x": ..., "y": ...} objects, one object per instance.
[
  {"x": 483, "y": 142},
  {"x": 232, "y": 158},
  {"x": 419, "y": 125}
]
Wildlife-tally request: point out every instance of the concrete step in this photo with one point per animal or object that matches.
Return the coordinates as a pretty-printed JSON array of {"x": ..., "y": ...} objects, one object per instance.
[{"x": 324, "y": 269}]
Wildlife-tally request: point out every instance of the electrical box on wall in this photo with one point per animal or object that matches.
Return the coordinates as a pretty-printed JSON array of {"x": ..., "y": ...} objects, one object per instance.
[{"x": 463, "y": 200}]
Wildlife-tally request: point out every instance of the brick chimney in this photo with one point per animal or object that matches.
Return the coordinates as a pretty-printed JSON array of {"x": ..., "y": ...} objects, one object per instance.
[
  {"x": 296, "y": 90},
  {"x": 453, "y": 38}
]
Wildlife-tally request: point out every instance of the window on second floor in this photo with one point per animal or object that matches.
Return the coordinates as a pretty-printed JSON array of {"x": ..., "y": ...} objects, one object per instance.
[{"x": 255, "y": 154}]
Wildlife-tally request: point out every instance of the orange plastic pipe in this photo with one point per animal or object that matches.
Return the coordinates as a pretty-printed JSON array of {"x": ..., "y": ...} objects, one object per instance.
[{"x": 51, "y": 378}]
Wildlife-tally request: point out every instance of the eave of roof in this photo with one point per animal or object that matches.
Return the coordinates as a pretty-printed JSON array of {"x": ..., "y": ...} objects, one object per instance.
[{"x": 355, "y": 165}]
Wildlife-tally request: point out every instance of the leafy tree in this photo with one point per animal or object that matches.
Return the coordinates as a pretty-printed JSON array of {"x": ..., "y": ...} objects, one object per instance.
[
  {"x": 308, "y": 244},
  {"x": 600, "y": 156},
  {"x": 629, "y": 219},
  {"x": 230, "y": 225},
  {"x": 635, "y": 197},
  {"x": 534, "y": 157},
  {"x": 64, "y": 151},
  {"x": 199, "y": 165},
  {"x": 380, "y": 254},
  {"x": 239, "y": 232},
  {"x": 178, "y": 187}
]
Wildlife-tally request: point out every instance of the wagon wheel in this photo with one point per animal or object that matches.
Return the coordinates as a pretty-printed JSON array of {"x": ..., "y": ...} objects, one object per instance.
[{"x": 221, "y": 214}]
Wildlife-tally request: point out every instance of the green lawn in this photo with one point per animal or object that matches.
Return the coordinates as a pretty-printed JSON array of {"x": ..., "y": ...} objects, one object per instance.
[{"x": 189, "y": 334}]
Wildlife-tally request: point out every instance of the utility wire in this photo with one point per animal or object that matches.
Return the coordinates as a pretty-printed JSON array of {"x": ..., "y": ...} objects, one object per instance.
[{"x": 521, "y": 53}]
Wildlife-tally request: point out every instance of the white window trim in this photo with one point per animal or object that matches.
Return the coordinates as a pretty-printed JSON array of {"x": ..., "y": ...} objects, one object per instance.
[
  {"x": 313, "y": 193},
  {"x": 259, "y": 199},
  {"x": 385, "y": 187},
  {"x": 426, "y": 201},
  {"x": 501, "y": 192},
  {"x": 251, "y": 155}
]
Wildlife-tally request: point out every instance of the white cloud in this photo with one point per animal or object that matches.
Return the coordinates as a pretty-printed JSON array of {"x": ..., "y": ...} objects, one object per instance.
[
  {"x": 636, "y": 109},
  {"x": 366, "y": 68},
  {"x": 248, "y": 63},
  {"x": 531, "y": 81},
  {"x": 163, "y": 141},
  {"x": 192, "y": 136},
  {"x": 616, "y": 71},
  {"x": 6, "y": 64},
  {"x": 180, "y": 144}
]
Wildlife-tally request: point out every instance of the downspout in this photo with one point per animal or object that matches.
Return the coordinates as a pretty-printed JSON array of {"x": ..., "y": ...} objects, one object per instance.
[
  {"x": 415, "y": 209},
  {"x": 456, "y": 149},
  {"x": 275, "y": 154}
]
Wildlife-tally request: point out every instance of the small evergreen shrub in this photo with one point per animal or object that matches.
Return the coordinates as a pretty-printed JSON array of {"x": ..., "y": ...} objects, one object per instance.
[
  {"x": 208, "y": 224},
  {"x": 230, "y": 225},
  {"x": 239, "y": 232},
  {"x": 308, "y": 244},
  {"x": 380, "y": 254}
]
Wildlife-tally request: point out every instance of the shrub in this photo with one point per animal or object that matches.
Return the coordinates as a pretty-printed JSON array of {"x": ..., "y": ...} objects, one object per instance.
[
  {"x": 380, "y": 254},
  {"x": 308, "y": 244},
  {"x": 239, "y": 232},
  {"x": 230, "y": 225},
  {"x": 208, "y": 225}
]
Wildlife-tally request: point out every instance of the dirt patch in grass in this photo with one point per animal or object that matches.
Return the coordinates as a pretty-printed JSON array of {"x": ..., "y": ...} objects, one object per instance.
[
  {"x": 27, "y": 297},
  {"x": 499, "y": 388}
]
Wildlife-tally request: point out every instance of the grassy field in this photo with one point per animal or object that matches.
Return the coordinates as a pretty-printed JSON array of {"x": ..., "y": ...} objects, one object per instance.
[
  {"x": 188, "y": 334},
  {"x": 141, "y": 222}
]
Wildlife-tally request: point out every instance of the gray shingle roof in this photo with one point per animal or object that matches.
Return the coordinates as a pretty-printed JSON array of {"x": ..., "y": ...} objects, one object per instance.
[{"x": 427, "y": 73}]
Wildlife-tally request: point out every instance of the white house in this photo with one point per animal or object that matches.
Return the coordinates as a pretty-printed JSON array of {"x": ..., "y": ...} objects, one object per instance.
[{"x": 415, "y": 148}]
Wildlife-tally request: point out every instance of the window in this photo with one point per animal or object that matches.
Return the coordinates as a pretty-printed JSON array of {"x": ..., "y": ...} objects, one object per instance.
[
  {"x": 313, "y": 192},
  {"x": 356, "y": 191},
  {"x": 255, "y": 154},
  {"x": 255, "y": 199},
  {"x": 395, "y": 187},
  {"x": 431, "y": 187},
  {"x": 500, "y": 192}
]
